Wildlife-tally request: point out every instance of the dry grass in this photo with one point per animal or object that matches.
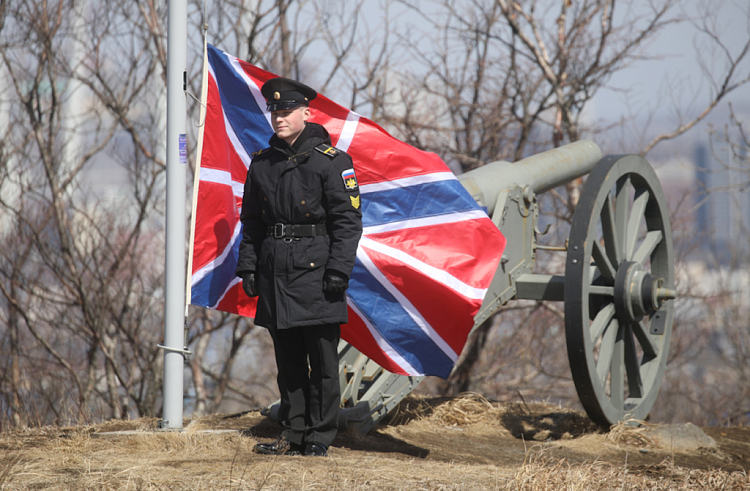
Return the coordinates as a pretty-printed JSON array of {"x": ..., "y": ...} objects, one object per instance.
[
  {"x": 546, "y": 474},
  {"x": 466, "y": 409},
  {"x": 631, "y": 432},
  {"x": 196, "y": 459},
  {"x": 205, "y": 461},
  {"x": 222, "y": 462}
]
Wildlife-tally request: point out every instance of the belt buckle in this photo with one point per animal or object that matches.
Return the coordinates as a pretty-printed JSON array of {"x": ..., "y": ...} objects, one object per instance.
[{"x": 278, "y": 231}]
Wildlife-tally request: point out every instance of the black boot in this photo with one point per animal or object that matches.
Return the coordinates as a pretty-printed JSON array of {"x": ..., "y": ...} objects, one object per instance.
[
  {"x": 316, "y": 450},
  {"x": 281, "y": 446}
]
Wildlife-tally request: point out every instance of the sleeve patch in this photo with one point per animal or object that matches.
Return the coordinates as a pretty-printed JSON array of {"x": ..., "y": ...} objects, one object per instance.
[
  {"x": 355, "y": 201},
  {"x": 350, "y": 180}
]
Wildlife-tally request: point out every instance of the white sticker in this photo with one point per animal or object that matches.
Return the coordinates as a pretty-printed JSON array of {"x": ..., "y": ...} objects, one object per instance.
[{"x": 183, "y": 149}]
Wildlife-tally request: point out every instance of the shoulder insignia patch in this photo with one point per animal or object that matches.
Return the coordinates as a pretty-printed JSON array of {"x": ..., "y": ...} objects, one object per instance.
[
  {"x": 327, "y": 150},
  {"x": 355, "y": 201},
  {"x": 350, "y": 180}
]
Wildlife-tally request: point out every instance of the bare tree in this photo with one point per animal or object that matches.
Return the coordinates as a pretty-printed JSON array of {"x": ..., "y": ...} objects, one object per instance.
[
  {"x": 81, "y": 267},
  {"x": 710, "y": 363},
  {"x": 734, "y": 158},
  {"x": 730, "y": 74},
  {"x": 509, "y": 79},
  {"x": 525, "y": 72},
  {"x": 512, "y": 78},
  {"x": 80, "y": 299}
]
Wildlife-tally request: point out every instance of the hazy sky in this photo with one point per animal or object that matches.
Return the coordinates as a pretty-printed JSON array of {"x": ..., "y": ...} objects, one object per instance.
[{"x": 675, "y": 79}]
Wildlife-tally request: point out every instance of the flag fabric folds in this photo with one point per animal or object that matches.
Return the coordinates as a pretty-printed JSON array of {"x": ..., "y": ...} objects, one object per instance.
[{"x": 428, "y": 252}]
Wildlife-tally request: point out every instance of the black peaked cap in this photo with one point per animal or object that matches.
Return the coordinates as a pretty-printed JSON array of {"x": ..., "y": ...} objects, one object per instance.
[{"x": 284, "y": 93}]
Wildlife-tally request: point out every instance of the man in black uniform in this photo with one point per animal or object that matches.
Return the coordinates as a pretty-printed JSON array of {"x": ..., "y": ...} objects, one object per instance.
[{"x": 301, "y": 222}]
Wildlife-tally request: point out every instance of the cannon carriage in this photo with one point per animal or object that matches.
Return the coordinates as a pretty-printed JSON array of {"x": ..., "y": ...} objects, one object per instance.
[{"x": 617, "y": 284}]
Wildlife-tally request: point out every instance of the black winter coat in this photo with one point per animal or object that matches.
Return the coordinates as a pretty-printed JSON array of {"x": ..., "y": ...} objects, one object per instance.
[{"x": 309, "y": 183}]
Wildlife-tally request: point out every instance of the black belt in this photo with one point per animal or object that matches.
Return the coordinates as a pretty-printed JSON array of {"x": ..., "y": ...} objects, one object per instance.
[{"x": 282, "y": 230}]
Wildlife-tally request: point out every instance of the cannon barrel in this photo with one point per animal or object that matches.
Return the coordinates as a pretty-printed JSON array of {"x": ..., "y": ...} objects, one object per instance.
[{"x": 540, "y": 172}]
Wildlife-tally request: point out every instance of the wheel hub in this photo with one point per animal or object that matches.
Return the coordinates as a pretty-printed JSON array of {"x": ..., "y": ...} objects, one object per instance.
[{"x": 637, "y": 293}]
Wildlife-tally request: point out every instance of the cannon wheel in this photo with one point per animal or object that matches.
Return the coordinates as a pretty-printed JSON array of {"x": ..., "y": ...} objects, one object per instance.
[{"x": 619, "y": 282}]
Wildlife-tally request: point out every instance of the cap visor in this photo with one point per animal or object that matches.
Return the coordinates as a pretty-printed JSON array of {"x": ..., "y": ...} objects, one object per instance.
[{"x": 281, "y": 106}]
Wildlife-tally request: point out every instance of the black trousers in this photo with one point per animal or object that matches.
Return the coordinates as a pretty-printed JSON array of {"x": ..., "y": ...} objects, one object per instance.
[{"x": 310, "y": 393}]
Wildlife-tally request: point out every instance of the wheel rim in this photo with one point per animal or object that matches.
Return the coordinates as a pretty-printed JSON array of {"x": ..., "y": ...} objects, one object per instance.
[{"x": 619, "y": 286}]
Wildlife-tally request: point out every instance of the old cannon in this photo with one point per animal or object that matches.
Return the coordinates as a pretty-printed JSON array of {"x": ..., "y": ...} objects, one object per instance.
[{"x": 617, "y": 284}]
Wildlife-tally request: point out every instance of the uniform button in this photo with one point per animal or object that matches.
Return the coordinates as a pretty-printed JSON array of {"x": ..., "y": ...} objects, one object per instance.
[
  {"x": 264, "y": 212},
  {"x": 265, "y": 199},
  {"x": 303, "y": 202},
  {"x": 312, "y": 265},
  {"x": 307, "y": 214}
]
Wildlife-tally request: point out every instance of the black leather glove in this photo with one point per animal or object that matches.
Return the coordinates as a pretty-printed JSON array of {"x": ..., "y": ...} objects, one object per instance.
[
  {"x": 335, "y": 282},
  {"x": 250, "y": 284}
]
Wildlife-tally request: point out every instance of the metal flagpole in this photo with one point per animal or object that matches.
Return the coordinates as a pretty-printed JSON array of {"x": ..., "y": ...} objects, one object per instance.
[
  {"x": 174, "y": 295},
  {"x": 197, "y": 175}
]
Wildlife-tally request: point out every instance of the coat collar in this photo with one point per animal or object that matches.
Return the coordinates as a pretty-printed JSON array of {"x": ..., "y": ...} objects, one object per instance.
[{"x": 313, "y": 135}]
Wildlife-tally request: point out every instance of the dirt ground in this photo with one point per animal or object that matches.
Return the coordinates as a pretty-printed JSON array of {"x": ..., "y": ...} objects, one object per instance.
[{"x": 431, "y": 444}]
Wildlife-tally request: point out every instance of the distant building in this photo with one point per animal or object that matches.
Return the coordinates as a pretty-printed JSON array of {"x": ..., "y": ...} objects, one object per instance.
[{"x": 723, "y": 207}]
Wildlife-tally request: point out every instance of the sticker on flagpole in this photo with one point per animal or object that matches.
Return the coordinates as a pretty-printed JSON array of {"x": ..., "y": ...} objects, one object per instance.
[
  {"x": 183, "y": 149},
  {"x": 350, "y": 180}
]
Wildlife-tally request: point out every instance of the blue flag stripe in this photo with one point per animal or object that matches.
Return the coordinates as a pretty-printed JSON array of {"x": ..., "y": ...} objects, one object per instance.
[
  {"x": 395, "y": 325},
  {"x": 209, "y": 290},
  {"x": 240, "y": 107},
  {"x": 419, "y": 201}
]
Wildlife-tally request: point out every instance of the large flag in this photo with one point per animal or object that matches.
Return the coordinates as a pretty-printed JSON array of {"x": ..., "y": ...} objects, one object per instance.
[{"x": 428, "y": 251}]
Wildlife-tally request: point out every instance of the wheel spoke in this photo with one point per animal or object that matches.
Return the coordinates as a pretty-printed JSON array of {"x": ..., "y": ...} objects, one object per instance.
[
  {"x": 607, "y": 291},
  {"x": 622, "y": 211},
  {"x": 641, "y": 331},
  {"x": 653, "y": 238},
  {"x": 617, "y": 375},
  {"x": 607, "y": 349},
  {"x": 636, "y": 215},
  {"x": 632, "y": 365},
  {"x": 603, "y": 262},
  {"x": 601, "y": 321},
  {"x": 608, "y": 231}
]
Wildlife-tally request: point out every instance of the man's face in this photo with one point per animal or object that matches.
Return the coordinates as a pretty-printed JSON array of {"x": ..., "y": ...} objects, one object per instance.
[{"x": 289, "y": 123}]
